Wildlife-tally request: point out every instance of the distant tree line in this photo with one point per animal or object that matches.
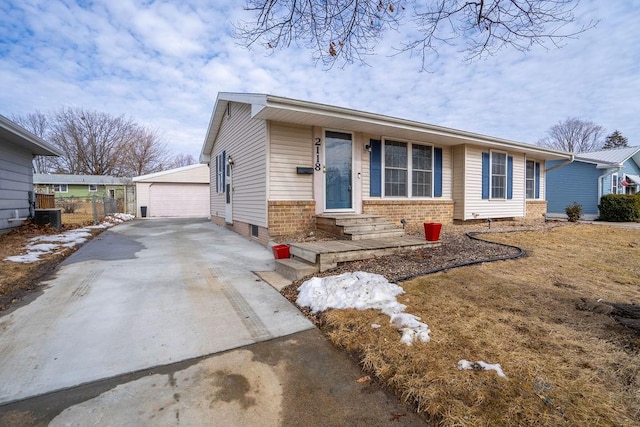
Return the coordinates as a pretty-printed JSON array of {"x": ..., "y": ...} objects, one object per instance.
[
  {"x": 97, "y": 143},
  {"x": 581, "y": 136}
]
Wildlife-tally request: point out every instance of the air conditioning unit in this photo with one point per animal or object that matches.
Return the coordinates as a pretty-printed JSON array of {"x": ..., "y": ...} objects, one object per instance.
[{"x": 53, "y": 217}]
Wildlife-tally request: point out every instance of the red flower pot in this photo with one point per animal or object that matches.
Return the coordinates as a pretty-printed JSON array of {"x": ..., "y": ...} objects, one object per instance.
[{"x": 432, "y": 231}]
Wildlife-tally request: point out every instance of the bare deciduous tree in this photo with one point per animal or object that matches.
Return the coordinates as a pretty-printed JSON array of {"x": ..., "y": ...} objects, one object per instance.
[
  {"x": 574, "y": 135},
  {"x": 37, "y": 124},
  {"x": 181, "y": 160},
  {"x": 96, "y": 143},
  {"x": 350, "y": 30},
  {"x": 146, "y": 154}
]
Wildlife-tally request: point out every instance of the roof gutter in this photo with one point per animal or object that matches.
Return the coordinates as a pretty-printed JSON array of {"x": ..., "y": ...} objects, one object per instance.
[{"x": 568, "y": 162}]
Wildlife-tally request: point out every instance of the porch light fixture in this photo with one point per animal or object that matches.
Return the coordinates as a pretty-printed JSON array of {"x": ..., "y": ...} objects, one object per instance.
[
  {"x": 367, "y": 147},
  {"x": 230, "y": 160}
]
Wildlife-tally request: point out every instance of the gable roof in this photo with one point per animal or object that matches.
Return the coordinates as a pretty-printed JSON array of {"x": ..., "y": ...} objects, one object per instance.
[
  {"x": 16, "y": 134},
  {"x": 611, "y": 158},
  {"x": 287, "y": 110},
  {"x": 57, "y": 178},
  {"x": 191, "y": 173}
]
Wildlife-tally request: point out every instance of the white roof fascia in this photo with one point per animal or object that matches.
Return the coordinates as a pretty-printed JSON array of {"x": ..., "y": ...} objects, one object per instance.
[
  {"x": 267, "y": 107},
  {"x": 280, "y": 103},
  {"x": 222, "y": 100},
  {"x": 167, "y": 172},
  {"x": 16, "y": 134}
]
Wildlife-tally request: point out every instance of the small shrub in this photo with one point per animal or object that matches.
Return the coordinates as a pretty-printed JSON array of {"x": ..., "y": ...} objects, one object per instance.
[
  {"x": 619, "y": 207},
  {"x": 574, "y": 212},
  {"x": 69, "y": 206}
]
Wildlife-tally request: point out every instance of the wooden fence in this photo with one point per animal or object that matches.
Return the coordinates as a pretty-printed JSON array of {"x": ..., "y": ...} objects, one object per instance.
[{"x": 45, "y": 201}]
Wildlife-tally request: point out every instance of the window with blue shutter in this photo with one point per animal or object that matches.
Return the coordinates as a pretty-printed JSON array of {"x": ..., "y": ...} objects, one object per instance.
[
  {"x": 375, "y": 168},
  {"x": 510, "y": 177},
  {"x": 485, "y": 175},
  {"x": 537, "y": 180},
  {"x": 217, "y": 173},
  {"x": 437, "y": 172}
]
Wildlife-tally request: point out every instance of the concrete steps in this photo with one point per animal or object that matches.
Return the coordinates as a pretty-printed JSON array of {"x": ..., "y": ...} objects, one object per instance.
[
  {"x": 294, "y": 269},
  {"x": 357, "y": 227}
]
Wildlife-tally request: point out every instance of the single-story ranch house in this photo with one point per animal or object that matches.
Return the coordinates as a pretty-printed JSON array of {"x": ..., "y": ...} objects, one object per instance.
[
  {"x": 81, "y": 186},
  {"x": 278, "y": 163},
  {"x": 17, "y": 149}
]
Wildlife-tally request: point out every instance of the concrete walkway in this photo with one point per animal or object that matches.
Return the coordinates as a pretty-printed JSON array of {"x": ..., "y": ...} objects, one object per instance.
[{"x": 162, "y": 322}]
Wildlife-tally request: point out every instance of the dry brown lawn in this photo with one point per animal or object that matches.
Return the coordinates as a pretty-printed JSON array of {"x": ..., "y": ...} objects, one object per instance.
[
  {"x": 19, "y": 279},
  {"x": 568, "y": 363}
]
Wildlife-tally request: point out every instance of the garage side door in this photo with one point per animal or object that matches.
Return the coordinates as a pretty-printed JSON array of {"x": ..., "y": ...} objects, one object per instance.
[{"x": 188, "y": 200}]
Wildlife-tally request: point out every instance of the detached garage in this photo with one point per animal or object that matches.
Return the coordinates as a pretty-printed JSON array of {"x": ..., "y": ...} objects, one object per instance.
[{"x": 180, "y": 192}]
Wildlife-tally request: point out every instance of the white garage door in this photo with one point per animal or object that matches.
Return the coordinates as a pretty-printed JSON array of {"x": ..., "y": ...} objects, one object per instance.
[{"x": 179, "y": 200}]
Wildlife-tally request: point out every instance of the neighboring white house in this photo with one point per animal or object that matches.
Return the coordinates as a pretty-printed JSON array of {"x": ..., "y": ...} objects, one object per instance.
[
  {"x": 180, "y": 192},
  {"x": 276, "y": 163},
  {"x": 17, "y": 149}
]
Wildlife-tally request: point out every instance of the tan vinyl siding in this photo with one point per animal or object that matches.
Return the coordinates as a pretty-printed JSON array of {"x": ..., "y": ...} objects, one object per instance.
[
  {"x": 483, "y": 208},
  {"x": 290, "y": 147},
  {"x": 447, "y": 173},
  {"x": 245, "y": 139},
  {"x": 366, "y": 164},
  {"x": 543, "y": 180},
  {"x": 142, "y": 195},
  {"x": 459, "y": 153}
]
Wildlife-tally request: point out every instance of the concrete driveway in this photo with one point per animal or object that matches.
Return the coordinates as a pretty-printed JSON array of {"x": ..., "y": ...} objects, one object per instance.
[{"x": 162, "y": 322}]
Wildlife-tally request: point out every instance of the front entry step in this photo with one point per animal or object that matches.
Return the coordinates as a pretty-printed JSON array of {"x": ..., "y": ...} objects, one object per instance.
[
  {"x": 357, "y": 226},
  {"x": 294, "y": 269}
]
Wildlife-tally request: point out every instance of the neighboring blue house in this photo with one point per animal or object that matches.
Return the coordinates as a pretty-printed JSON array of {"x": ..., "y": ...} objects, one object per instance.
[{"x": 589, "y": 177}]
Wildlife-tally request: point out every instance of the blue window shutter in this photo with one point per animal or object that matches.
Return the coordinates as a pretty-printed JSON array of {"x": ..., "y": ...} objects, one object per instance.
[
  {"x": 485, "y": 175},
  {"x": 437, "y": 172},
  {"x": 375, "y": 168},
  {"x": 509, "y": 177},
  {"x": 223, "y": 165},
  {"x": 537, "y": 180},
  {"x": 217, "y": 166}
]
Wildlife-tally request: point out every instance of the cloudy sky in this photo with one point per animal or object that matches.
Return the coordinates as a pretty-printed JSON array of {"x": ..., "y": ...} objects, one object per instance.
[{"x": 163, "y": 63}]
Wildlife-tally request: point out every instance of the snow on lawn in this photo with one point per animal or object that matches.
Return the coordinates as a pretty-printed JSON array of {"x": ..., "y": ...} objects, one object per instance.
[
  {"x": 481, "y": 366},
  {"x": 362, "y": 291},
  {"x": 42, "y": 245}
]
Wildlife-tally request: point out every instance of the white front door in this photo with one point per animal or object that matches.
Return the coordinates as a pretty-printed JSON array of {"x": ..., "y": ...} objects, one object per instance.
[{"x": 228, "y": 192}]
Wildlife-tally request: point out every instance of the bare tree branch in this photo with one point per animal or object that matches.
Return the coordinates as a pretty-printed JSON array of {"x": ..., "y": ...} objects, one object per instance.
[
  {"x": 575, "y": 136},
  {"x": 350, "y": 30},
  {"x": 96, "y": 143}
]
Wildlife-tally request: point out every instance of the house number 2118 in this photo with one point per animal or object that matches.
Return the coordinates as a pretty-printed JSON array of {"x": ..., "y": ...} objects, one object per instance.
[{"x": 318, "y": 166}]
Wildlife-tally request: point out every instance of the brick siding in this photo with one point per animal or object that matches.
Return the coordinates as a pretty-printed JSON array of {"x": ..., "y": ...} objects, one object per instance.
[
  {"x": 416, "y": 212},
  {"x": 287, "y": 218},
  {"x": 536, "y": 209}
]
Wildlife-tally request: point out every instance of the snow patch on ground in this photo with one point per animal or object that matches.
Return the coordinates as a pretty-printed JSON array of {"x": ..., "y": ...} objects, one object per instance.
[
  {"x": 481, "y": 366},
  {"x": 42, "y": 245},
  {"x": 362, "y": 291}
]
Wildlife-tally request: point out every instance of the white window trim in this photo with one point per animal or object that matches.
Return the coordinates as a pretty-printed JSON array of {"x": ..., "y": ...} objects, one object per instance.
[
  {"x": 614, "y": 183},
  {"x": 491, "y": 175},
  {"x": 60, "y": 190},
  {"x": 93, "y": 185},
  {"x": 410, "y": 145},
  {"x": 527, "y": 179}
]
